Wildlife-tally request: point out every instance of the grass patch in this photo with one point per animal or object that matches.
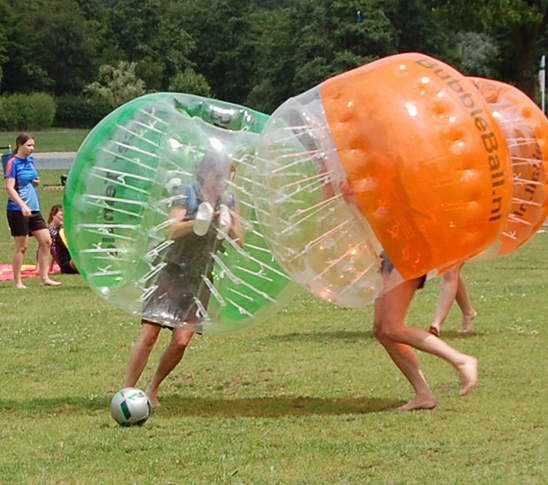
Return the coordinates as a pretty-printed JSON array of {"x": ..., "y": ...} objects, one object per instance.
[
  {"x": 53, "y": 140},
  {"x": 306, "y": 397}
]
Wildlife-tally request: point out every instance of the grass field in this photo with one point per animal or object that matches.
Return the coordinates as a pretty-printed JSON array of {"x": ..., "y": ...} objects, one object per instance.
[
  {"x": 306, "y": 397},
  {"x": 54, "y": 140}
]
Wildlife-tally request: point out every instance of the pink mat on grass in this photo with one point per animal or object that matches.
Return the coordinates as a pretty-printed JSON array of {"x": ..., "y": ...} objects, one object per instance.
[{"x": 27, "y": 271}]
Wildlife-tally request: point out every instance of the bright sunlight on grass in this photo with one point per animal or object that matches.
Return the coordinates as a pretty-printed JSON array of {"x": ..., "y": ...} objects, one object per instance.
[{"x": 307, "y": 397}]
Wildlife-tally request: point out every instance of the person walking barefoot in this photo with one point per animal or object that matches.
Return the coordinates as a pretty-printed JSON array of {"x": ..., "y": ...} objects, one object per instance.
[
  {"x": 453, "y": 288},
  {"x": 398, "y": 339}
]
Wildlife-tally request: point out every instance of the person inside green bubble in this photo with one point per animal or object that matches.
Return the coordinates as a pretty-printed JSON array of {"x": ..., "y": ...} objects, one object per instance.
[{"x": 200, "y": 218}]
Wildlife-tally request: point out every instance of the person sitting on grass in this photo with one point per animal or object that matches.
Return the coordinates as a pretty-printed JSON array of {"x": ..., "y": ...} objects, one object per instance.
[{"x": 59, "y": 248}]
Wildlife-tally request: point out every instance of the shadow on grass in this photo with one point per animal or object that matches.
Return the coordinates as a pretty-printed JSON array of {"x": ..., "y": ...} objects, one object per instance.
[
  {"x": 356, "y": 336},
  {"x": 272, "y": 407},
  {"x": 173, "y": 405},
  {"x": 58, "y": 405},
  {"x": 454, "y": 335},
  {"x": 324, "y": 336}
]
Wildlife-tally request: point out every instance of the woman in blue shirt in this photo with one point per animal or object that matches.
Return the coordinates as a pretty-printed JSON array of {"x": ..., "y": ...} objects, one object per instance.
[{"x": 23, "y": 210}]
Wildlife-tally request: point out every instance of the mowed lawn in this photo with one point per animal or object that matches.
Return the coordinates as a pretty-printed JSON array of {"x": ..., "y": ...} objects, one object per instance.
[
  {"x": 52, "y": 140},
  {"x": 306, "y": 397}
]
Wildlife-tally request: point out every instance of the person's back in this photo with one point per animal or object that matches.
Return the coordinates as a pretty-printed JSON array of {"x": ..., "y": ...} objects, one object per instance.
[{"x": 62, "y": 254}]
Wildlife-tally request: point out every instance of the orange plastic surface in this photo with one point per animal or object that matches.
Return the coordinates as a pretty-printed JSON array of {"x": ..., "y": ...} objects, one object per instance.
[
  {"x": 525, "y": 128},
  {"x": 425, "y": 157}
]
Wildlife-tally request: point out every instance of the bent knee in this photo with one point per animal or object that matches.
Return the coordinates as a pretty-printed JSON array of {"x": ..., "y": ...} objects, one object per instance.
[
  {"x": 22, "y": 247},
  {"x": 181, "y": 338},
  {"x": 383, "y": 331}
]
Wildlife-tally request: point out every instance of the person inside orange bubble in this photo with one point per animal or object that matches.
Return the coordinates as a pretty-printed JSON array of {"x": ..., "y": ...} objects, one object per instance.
[
  {"x": 453, "y": 288},
  {"x": 397, "y": 338}
]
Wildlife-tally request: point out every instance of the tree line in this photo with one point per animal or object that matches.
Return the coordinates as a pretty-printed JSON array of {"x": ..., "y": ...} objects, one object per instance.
[{"x": 253, "y": 52}]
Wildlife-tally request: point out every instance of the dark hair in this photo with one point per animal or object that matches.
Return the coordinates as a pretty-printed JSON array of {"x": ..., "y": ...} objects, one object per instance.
[
  {"x": 54, "y": 210},
  {"x": 208, "y": 163},
  {"x": 21, "y": 139}
]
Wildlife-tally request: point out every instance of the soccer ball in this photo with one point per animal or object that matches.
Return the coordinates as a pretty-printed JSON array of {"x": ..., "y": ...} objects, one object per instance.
[{"x": 130, "y": 406}]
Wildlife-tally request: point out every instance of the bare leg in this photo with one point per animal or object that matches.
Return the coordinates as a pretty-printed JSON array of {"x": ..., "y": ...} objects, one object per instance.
[
  {"x": 463, "y": 300},
  {"x": 44, "y": 241},
  {"x": 389, "y": 310},
  {"x": 448, "y": 293},
  {"x": 390, "y": 329},
  {"x": 140, "y": 353},
  {"x": 169, "y": 360},
  {"x": 21, "y": 245}
]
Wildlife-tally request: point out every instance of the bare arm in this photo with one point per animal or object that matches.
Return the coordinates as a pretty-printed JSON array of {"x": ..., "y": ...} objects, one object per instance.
[
  {"x": 236, "y": 230},
  {"x": 178, "y": 227},
  {"x": 13, "y": 195}
]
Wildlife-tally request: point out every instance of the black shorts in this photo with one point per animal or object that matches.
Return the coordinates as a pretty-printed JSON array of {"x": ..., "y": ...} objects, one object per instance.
[
  {"x": 387, "y": 267},
  {"x": 23, "y": 226},
  {"x": 66, "y": 268},
  {"x": 421, "y": 282},
  {"x": 196, "y": 330}
]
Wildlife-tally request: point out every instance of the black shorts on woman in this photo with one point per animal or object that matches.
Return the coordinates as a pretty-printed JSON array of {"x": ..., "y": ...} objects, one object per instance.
[
  {"x": 25, "y": 226},
  {"x": 387, "y": 267}
]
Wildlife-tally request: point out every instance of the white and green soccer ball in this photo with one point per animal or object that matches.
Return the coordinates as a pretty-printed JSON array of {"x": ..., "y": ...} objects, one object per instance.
[{"x": 130, "y": 406}]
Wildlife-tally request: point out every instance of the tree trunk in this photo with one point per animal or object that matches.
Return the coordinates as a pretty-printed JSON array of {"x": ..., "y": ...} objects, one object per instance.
[{"x": 525, "y": 42}]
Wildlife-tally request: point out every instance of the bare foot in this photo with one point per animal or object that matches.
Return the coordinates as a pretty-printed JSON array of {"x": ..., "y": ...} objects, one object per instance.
[
  {"x": 466, "y": 319},
  {"x": 468, "y": 371},
  {"x": 50, "y": 283},
  {"x": 426, "y": 402},
  {"x": 435, "y": 330},
  {"x": 153, "y": 399},
  {"x": 20, "y": 286}
]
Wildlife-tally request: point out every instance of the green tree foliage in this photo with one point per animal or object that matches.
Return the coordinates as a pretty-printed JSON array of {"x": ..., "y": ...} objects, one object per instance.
[
  {"x": 226, "y": 33},
  {"x": 52, "y": 48},
  {"x": 70, "y": 49},
  {"x": 80, "y": 111},
  {"x": 26, "y": 111},
  {"x": 6, "y": 16},
  {"x": 133, "y": 26},
  {"x": 314, "y": 39},
  {"x": 191, "y": 83},
  {"x": 416, "y": 29},
  {"x": 275, "y": 67},
  {"x": 518, "y": 25},
  {"x": 331, "y": 38},
  {"x": 476, "y": 54},
  {"x": 258, "y": 52},
  {"x": 150, "y": 33},
  {"x": 117, "y": 84}
]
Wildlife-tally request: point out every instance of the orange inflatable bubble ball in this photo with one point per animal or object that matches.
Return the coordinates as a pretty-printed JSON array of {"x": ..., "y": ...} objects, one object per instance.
[
  {"x": 402, "y": 155},
  {"x": 525, "y": 129}
]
